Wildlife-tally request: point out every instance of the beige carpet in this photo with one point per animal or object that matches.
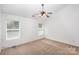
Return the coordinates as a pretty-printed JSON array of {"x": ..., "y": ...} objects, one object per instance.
[{"x": 42, "y": 47}]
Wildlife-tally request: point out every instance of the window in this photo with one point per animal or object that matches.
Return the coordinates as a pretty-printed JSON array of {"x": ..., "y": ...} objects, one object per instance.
[
  {"x": 12, "y": 30},
  {"x": 40, "y": 29}
]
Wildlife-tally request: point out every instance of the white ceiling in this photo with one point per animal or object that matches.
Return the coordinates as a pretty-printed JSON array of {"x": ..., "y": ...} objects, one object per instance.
[{"x": 27, "y": 10}]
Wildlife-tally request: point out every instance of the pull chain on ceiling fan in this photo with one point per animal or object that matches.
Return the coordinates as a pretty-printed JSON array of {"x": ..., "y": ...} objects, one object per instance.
[{"x": 43, "y": 12}]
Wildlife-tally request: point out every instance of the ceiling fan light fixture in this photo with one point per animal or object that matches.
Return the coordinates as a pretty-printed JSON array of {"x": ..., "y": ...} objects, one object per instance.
[{"x": 43, "y": 12}]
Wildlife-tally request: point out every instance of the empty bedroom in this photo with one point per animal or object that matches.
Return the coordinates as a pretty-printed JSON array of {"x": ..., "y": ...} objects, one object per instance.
[{"x": 39, "y": 29}]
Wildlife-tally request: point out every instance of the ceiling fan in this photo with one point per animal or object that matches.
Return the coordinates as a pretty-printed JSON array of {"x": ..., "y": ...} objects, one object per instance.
[{"x": 43, "y": 12}]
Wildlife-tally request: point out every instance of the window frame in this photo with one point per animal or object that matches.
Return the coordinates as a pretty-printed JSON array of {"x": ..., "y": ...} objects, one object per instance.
[{"x": 16, "y": 37}]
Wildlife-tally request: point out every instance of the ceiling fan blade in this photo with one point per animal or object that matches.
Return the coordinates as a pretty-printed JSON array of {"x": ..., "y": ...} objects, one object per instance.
[
  {"x": 48, "y": 16},
  {"x": 35, "y": 14},
  {"x": 49, "y": 12}
]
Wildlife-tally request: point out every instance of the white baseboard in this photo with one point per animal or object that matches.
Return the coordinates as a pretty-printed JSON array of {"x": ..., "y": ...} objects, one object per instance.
[
  {"x": 31, "y": 39},
  {"x": 62, "y": 41}
]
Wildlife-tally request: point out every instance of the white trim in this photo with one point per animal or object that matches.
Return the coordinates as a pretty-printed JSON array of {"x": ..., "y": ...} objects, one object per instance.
[
  {"x": 52, "y": 38},
  {"x": 18, "y": 36},
  {"x": 12, "y": 29}
]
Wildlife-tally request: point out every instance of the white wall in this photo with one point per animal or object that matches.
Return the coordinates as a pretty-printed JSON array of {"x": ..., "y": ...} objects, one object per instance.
[
  {"x": 28, "y": 30},
  {"x": 64, "y": 26},
  {"x": 0, "y": 29}
]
